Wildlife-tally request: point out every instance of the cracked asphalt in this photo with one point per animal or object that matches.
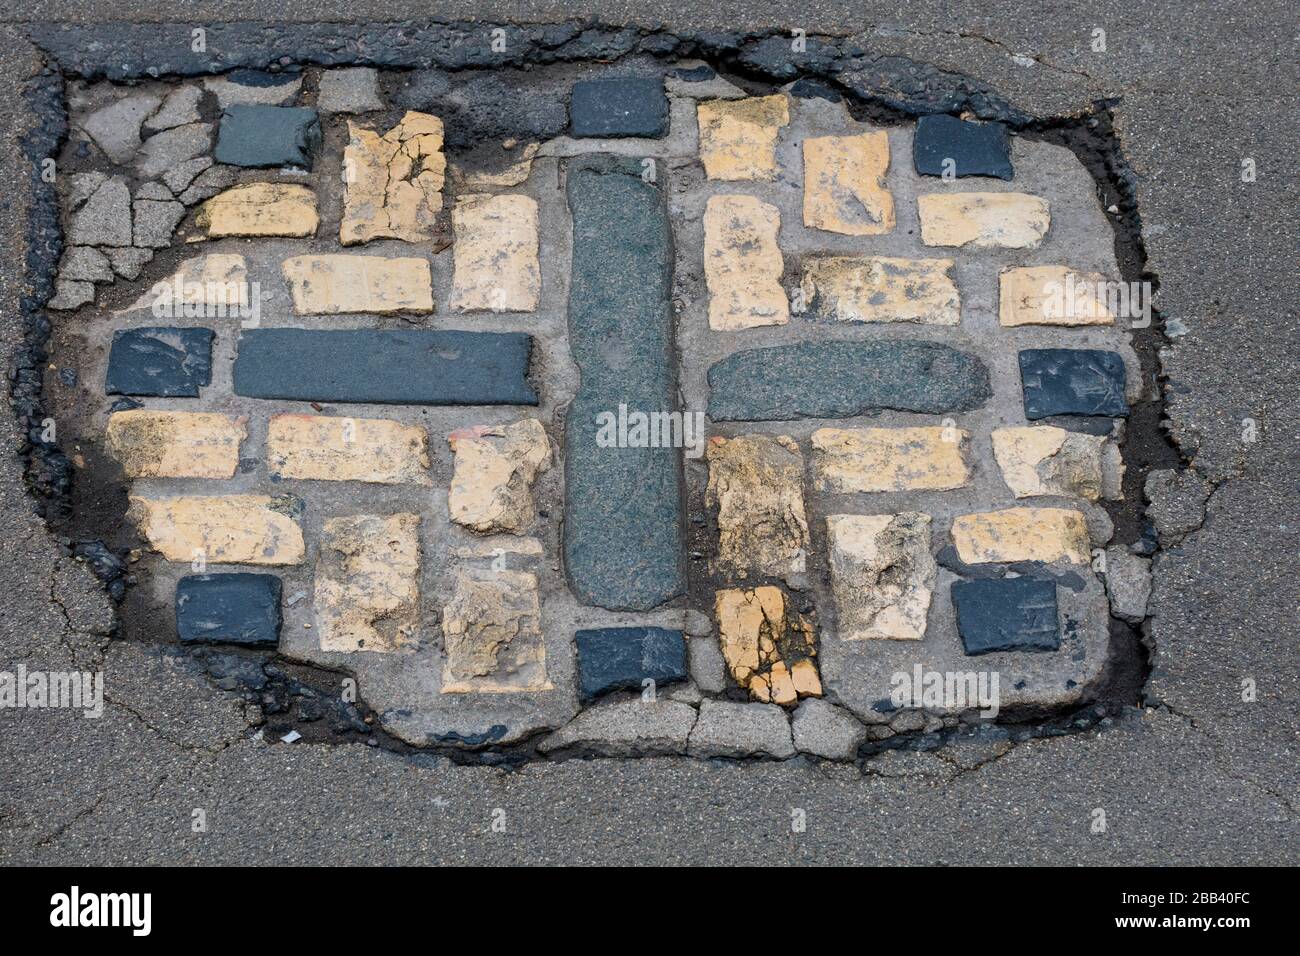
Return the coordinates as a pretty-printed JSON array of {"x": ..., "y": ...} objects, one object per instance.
[{"x": 1198, "y": 777}]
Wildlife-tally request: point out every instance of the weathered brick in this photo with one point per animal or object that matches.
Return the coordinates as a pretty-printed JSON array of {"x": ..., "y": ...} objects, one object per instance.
[
  {"x": 492, "y": 632},
  {"x": 743, "y": 263},
  {"x": 973, "y": 149},
  {"x": 1072, "y": 382},
  {"x": 619, "y": 106},
  {"x": 496, "y": 266},
  {"x": 622, "y": 658},
  {"x": 349, "y": 90},
  {"x": 215, "y": 284},
  {"x": 880, "y": 289},
  {"x": 928, "y": 458},
  {"x": 160, "y": 444},
  {"x": 260, "y": 209},
  {"x": 983, "y": 220},
  {"x": 393, "y": 183},
  {"x": 1022, "y": 534},
  {"x": 327, "y": 448},
  {"x": 1051, "y": 295},
  {"x": 333, "y": 284},
  {"x": 844, "y": 184},
  {"x": 368, "y": 583},
  {"x": 221, "y": 529},
  {"x": 766, "y": 643},
  {"x": 159, "y": 362},
  {"x": 493, "y": 474},
  {"x": 756, "y": 484},
  {"x": 238, "y": 608},
  {"x": 882, "y": 574},
  {"x": 1006, "y": 614},
  {"x": 1044, "y": 460},
  {"x": 738, "y": 137}
]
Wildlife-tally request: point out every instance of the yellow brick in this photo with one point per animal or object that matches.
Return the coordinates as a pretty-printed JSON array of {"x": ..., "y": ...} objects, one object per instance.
[
  {"x": 738, "y": 137},
  {"x": 844, "y": 184},
  {"x": 393, "y": 183},
  {"x": 332, "y": 284},
  {"x": 496, "y": 267},
  {"x": 326, "y": 448},
  {"x": 1051, "y": 295},
  {"x": 983, "y": 220},
  {"x": 368, "y": 583},
  {"x": 160, "y": 444},
  {"x": 881, "y": 289},
  {"x": 1022, "y": 534},
  {"x": 743, "y": 264},
  {"x": 260, "y": 209},
  {"x": 220, "y": 529},
  {"x": 889, "y": 459}
]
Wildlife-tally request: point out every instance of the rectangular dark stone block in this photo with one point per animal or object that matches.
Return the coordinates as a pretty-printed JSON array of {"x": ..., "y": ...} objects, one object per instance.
[
  {"x": 621, "y": 106},
  {"x": 159, "y": 362},
  {"x": 621, "y": 658},
  {"x": 976, "y": 149},
  {"x": 623, "y": 518},
  {"x": 843, "y": 379},
  {"x": 237, "y": 608},
  {"x": 385, "y": 366},
  {"x": 258, "y": 136},
  {"x": 1072, "y": 382},
  {"x": 1006, "y": 614}
]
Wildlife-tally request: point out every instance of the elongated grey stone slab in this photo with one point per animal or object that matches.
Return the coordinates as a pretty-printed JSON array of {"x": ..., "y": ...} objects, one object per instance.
[
  {"x": 842, "y": 379},
  {"x": 385, "y": 366},
  {"x": 623, "y": 539}
]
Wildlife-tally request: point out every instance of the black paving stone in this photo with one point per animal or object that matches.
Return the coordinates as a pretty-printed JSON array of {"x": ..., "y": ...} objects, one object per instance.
[
  {"x": 159, "y": 362},
  {"x": 1006, "y": 614},
  {"x": 237, "y": 608},
  {"x": 623, "y": 539},
  {"x": 976, "y": 149},
  {"x": 619, "y": 106},
  {"x": 620, "y": 658},
  {"x": 842, "y": 379},
  {"x": 392, "y": 366},
  {"x": 262, "y": 136},
  {"x": 1072, "y": 382}
]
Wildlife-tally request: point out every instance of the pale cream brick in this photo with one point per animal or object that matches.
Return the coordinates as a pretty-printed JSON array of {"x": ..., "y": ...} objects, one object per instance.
[
  {"x": 743, "y": 264},
  {"x": 215, "y": 284},
  {"x": 738, "y": 137},
  {"x": 880, "y": 289},
  {"x": 756, "y": 484},
  {"x": 260, "y": 209},
  {"x": 1022, "y": 534},
  {"x": 221, "y": 529},
  {"x": 162, "y": 444},
  {"x": 1052, "y": 295},
  {"x": 326, "y": 448},
  {"x": 927, "y": 458},
  {"x": 1045, "y": 460},
  {"x": 333, "y": 284},
  {"x": 368, "y": 583},
  {"x": 882, "y": 575},
  {"x": 393, "y": 183},
  {"x": 492, "y": 631},
  {"x": 983, "y": 220},
  {"x": 493, "y": 474},
  {"x": 496, "y": 266},
  {"x": 844, "y": 184},
  {"x": 768, "y": 646}
]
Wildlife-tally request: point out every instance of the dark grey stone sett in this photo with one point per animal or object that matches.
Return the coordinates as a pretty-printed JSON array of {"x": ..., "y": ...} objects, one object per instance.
[
  {"x": 1006, "y": 614},
  {"x": 237, "y": 608},
  {"x": 262, "y": 136},
  {"x": 159, "y": 362},
  {"x": 1072, "y": 382},
  {"x": 385, "y": 366},
  {"x": 842, "y": 379},
  {"x": 976, "y": 149},
  {"x": 621, "y": 658},
  {"x": 619, "y": 106}
]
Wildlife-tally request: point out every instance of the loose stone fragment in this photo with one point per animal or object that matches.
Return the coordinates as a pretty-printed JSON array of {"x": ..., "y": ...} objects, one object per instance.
[
  {"x": 385, "y": 366},
  {"x": 882, "y": 573},
  {"x": 1128, "y": 582},
  {"x": 150, "y": 443},
  {"x": 253, "y": 86},
  {"x": 180, "y": 108},
  {"x": 208, "y": 183},
  {"x": 154, "y": 222},
  {"x": 947, "y": 146},
  {"x": 1006, "y": 614},
  {"x": 824, "y": 730},
  {"x": 844, "y": 184},
  {"x": 619, "y": 106},
  {"x": 492, "y": 481},
  {"x": 756, "y": 483},
  {"x": 496, "y": 266},
  {"x": 844, "y": 379},
  {"x": 851, "y": 460},
  {"x": 983, "y": 220},
  {"x": 260, "y": 209},
  {"x": 115, "y": 128},
  {"x": 349, "y": 90},
  {"x": 743, "y": 264},
  {"x": 1044, "y": 460},
  {"x": 259, "y": 136},
  {"x": 626, "y": 728},
  {"x": 172, "y": 148},
  {"x": 1022, "y": 534},
  {"x": 393, "y": 182},
  {"x": 492, "y": 631},
  {"x": 1072, "y": 382},
  {"x": 695, "y": 79},
  {"x": 738, "y": 137},
  {"x": 159, "y": 362},
  {"x": 880, "y": 289},
  {"x": 128, "y": 263},
  {"x": 215, "y": 284},
  {"x": 514, "y": 173},
  {"x": 624, "y": 658},
  {"x": 367, "y": 583},
  {"x": 325, "y": 448},
  {"x": 224, "y": 529},
  {"x": 85, "y": 264},
  {"x": 1052, "y": 295},
  {"x": 765, "y": 641},
  {"x": 71, "y": 294},
  {"x": 104, "y": 216},
  {"x": 729, "y": 729},
  {"x": 237, "y": 608},
  {"x": 334, "y": 284}
]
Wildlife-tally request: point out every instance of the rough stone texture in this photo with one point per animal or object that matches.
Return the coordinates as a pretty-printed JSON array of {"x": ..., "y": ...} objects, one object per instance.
[
  {"x": 496, "y": 265},
  {"x": 1176, "y": 502},
  {"x": 159, "y": 362},
  {"x": 173, "y": 147},
  {"x": 626, "y": 728},
  {"x": 259, "y": 136},
  {"x": 514, "y": 173},
  {"x": 260, "y": 209},
  {"x": 743, "y": 264},
  {"x": 154, "y": 222},
  {"x": 768, "y": 646},
  {"x": 350, "y": 90},
  {"x": 1006, "y": 614},
  {"x": 367, "y": 594},
  {"x": 843, "y": 379},
  {"x": 149, "y": 443},
  {"x": 334, "y": 284},
  {"x": 1051, "y": 295},
  {"x": 71, "y": 294},
  {"x": 221, "y": 529},
  {"x": 824, "y": 730},
  {"x": 179, "y": 108},
  {"x": 214, "y": 284},
  {"x": 983, "y": 220},
  {"x": 623, "y": 520},
  {"x": 623, "y": 658},
  {"x": 238, "y": 608},
  {"x": 385, "y": 366},
  {"x": 492, "y": 631},
  {"x": 208, "y": 183},
  {"x": 327, "y": 448},
  {"x": 1128, "y": 582},
  {"x": 1045, "y": 460},
  {"x": 85, "y": 264},
  {"x": 253, "y": 86},
  {"x": 115, "y": 128},
  {"x": 494, "y": 471},
  {"x": 619, "y": 106},
  {"x": 756, "y": 485},
  {"x": 926, "y": 458},
  {"x": 393, "y": 183},
  {"x": 128, "y": 263},
  {"x": 844, "y": 184},
  {"x": 738, "y": 137},
  {"x": 1072, "y": 382},
  {"x": 975, "y": 149},
  {"x": 880, "y": 289},
  {"x": 1022, "y": 534},
  {"x": 727, "y": 729},
  {"x": 882, "y": 575},
  {"x": 103, "y": 217}
]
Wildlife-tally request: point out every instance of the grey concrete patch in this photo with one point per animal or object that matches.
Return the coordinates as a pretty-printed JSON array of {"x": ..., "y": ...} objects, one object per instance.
[{"x": 728, "y": 729}]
